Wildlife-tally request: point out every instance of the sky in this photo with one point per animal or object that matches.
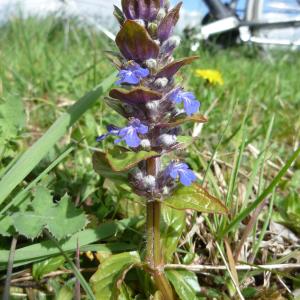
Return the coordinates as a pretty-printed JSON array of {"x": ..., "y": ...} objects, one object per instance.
[{"x": 191, "y": 14}]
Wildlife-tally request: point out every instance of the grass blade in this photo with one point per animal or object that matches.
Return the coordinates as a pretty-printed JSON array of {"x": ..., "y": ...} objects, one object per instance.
[
  {"x": 38, "y": 150},
  {"x": 240, "y": 217}
]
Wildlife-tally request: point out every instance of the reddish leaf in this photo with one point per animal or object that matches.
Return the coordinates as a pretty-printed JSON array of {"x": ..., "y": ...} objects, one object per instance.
[
  {"x": 194, "y": 118},
  {"x": 168, "y": 23},
  {"x": 141, "y": 9},
  {"x": 137, "y": 95},
  {"x": 171, "y": 69},
  {"x": 135, "y": 42}
]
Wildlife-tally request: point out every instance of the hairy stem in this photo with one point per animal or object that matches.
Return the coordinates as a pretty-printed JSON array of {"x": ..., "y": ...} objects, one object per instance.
[{"x": 154, "y": 250}]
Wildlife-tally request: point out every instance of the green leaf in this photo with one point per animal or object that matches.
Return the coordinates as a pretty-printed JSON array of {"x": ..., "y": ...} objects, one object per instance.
[
  {"x": 6, "y": 226},
  {"x": 39, "y": 149},
  {"x": 61, "y": 220},
  {"x": 65, "y": 293},
  {"x": 105, "y": 281},
  {"x": 103, "y": 168},
  {"x": 197, "y": 198},
  {"x": 185, "y": 139},
  {"x": 86, "y": 237},
  {"x": 66, "y": 219},
  {"x": 121, "y": 160},
  {"x": 12, "y": 117},
  {"x": 46, "y": 266},
  {"x": 194, "y": 118},
  {"x": 185, "y": 284},
  {"x": 172, "y": 226}
]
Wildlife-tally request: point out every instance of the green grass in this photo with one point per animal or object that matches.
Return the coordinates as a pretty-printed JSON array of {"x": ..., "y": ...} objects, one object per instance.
[{"x": 253, "y": 130}]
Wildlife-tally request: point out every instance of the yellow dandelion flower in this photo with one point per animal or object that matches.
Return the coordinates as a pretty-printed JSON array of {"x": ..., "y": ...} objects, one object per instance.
[{"x": 212, "y": 76}]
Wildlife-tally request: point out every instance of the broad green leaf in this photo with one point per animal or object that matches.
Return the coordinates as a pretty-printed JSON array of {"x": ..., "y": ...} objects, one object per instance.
[
  {"x": 65, "y": 293},
  {"x": 46, "y": 266},
  {"x": 102, "y": 167},
  {"x": 66, "y": 219},
  {"x": 39, "y": 149},
  {"x": 105, "y": 281},
  {"x": 172, "y": 226},
  {"x": 62, "y": 219},
  {"x": 185, "y": 284},
  {"x": 121, "y": 160},
  {"x": 84, "y": 238},
  {"x": 197, "y": 198},
  {"x": 6, "y": 226}
]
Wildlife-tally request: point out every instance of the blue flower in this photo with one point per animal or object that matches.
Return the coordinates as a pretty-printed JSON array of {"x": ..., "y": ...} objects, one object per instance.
[
  {"x": 129, "y": 134},
  {"x": 190, "y": 103},
  {"x": 132, "y": 75},
  {"x": 181, "y": 170}
]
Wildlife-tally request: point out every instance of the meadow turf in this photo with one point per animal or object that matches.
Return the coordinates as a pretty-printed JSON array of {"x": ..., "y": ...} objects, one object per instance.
[{"x": 46, "y": 65}]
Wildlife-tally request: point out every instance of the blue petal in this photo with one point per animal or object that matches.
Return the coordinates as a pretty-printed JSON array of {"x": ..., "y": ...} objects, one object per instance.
[
  {"x": 127, "y": 76},
  {"x": 112, "y": 129},
  {"x": 187, "y": 177},
  {"x": 143, "y": 129},
  {"x": 141, "y": 72},
  {"x": 132, "y": 139},
  {"x": 190, "y": 106},
  {"x": 101, "y": 137},
  {"x": 173, "y": 173}
]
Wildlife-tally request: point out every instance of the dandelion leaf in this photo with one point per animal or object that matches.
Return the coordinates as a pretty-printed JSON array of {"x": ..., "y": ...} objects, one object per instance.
[{"x": 62, "y": 219}]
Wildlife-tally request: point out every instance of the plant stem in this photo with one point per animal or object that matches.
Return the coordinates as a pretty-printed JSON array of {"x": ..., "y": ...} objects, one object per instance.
[
  {"x": 154, "y": 252},
  {"x": 10, "y": 264}
]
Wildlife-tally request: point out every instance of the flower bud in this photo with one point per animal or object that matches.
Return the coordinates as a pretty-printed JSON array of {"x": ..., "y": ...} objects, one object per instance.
[
  {"x": 149, "y": 182},
  {"x": 166, "y": 4},
  {"x": 151, "y": 64},
  {"x": 145, "y": 144},
  {"x": 161, "y": 82},
  {"x": 170, "y": 44},
  {"x": 152, "y": 29},
  {"x": 137, "y": 174},
  {"x": 161, "y": 14},
  {"x": 165, "y": 190},
  {"x": 167, "y": 140}
]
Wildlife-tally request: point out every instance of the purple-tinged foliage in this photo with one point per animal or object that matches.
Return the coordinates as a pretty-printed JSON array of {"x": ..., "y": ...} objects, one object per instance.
[
  {"x": 190, "y": 103},
  {"x": 181, "y": 170},
  {"x": 166, "y": 27},
  {"x": 141, "y": 9},
  {"x": 136, "y": 95},
  {"x": 133, "y": 74},
  {"x": 135, "y": 43},
  {"x": 171, "y": 69}
]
